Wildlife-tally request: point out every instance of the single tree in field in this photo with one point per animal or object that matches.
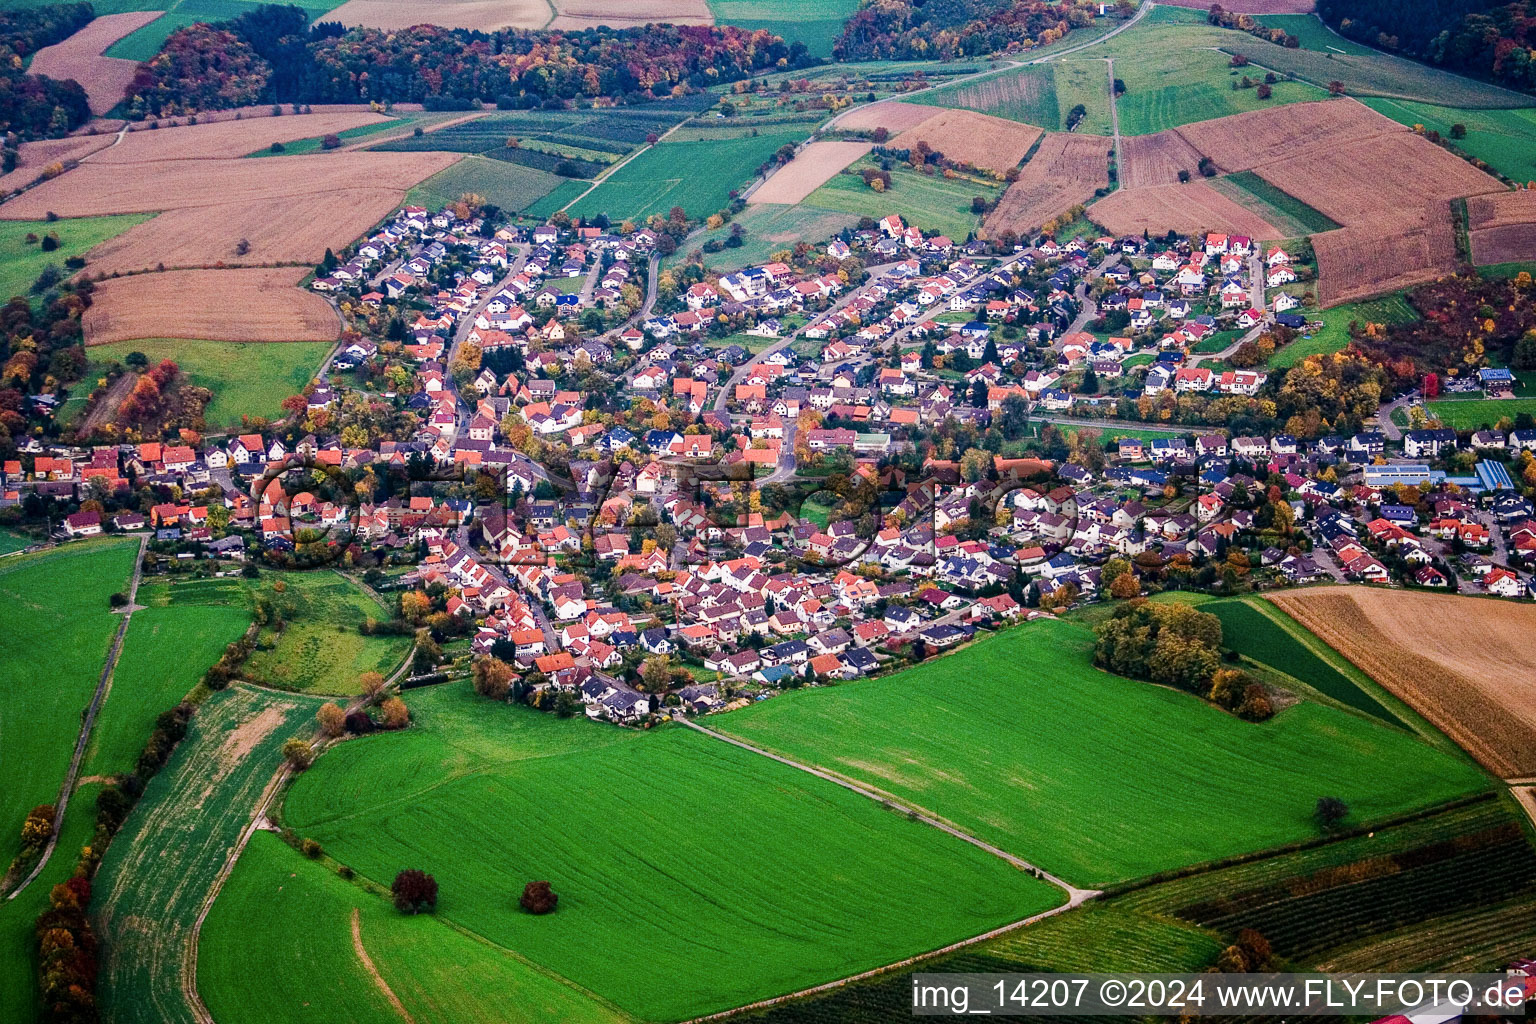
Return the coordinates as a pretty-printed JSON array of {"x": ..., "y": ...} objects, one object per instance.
[
  {"x": 493, "y": 678},
  {"x": 331, "y": 718},
  {"x": 370, "y": 683},
  {"x": 414, "y": 891},
  {"x": 538, "y": 898},
  {"x": 395, "y": 713},
  {"x": 1330, "y": 811},
  {"x": 298, "y": 753}
]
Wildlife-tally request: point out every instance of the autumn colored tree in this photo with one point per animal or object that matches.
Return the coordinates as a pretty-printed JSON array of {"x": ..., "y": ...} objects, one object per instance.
[
  {"x": 332, "y": 719},
  {"x": 538, "y": 898},
  {"x": 394, "y": 713},
  {"x": 298, "y": 753},
  {"x": 493, "y": 678},
  {"x": 370, "y": 683}
]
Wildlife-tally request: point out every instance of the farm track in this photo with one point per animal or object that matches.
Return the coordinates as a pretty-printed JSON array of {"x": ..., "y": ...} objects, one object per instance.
[
  {"x": 103, "y": 686},
  {"x": 373, "y": 972}
]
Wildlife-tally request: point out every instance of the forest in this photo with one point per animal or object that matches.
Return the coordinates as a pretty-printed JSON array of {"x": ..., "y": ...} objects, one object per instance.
[
  {"x": 1466, "y": 319},
  {"x": 31, "y": 105},
  {"x": 267, "y": 55},
  {"x": 941, "y": 29},
  {"x": 1480, "y": 38}
]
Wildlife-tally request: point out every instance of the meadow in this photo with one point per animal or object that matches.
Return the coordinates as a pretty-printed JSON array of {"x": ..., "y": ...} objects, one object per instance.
[
  {"x": 816, "y": 884},
  {"x": 21, "y": 261},
  {"x": 1334, "y": 335},
  {"x": 1095, "y": 777},
  {"x": 58, "y": 630},
  {"x": 816, "y": 23},
  {"x": 156, "y": 874},
  {"x": 931, "y": 202},
  {"x": 1291, "y": 215},
  {"x": 1476, "y": 413},
  {"x": 301, "y": 913},
  {"x": 246, "y": 378},
  {"x": 1503, "y": 139},
  {"x": 313, "y": 143},
  {"x": 1312, "y": 34},
  {"x": 1262, "y": 632},
  {"x": 698, "y": 176},
  {"x": 510, "y": 186},
  {"x": 319, "y": 649},
  {"x": 769, "y": 228},
  {"x": 564, "y": 194},
  {"x": 165, "y": 653},
  {"x": 1038, "y": 94}
]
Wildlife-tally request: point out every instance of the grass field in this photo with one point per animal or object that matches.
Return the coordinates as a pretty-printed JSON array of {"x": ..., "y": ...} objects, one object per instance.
[
  {"x": 165, "y": 653},
  {"x": 563, "y": 195},
  {"x": 1262, "y": 632},
  {"x": 512, "y": 187},
  {"x": 612, "y": 130},
  {"x": 816, "y": 23},
  {"x": 1473, "y": 413},
  {"x": 786, "y": 880},
  {"x": 1334, "y": 336},
  {"x": 12, "y": 541},
  {"x": 319, "y": 650},
  {"x": 246, "y": 378},
  {"x": 1019, "y": 739},
  {"x": 769, "y": 229},
  {"x": 159, "y": 868},
  {"x": 21, "y": 261},
  {"x": 1504, "y": 139},
  {"x": 1312, "y": 34},
  {"x": 301, "y": 914},
  {"x": 312, "y": 144},
  {"x": 58, "y": 629},
  {"x": 1038, "y": 94},
  {"x": 698, "y": 176},
  {"x": 931, "y": 202},
  {"x": 1291, "y": 215}
]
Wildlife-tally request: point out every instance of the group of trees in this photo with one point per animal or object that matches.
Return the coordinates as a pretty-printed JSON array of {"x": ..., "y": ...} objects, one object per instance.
[
  {"x": 1465, "y": 319},
  {"x": 267, "y": 55},
  {"x": 942, "y": 29},
  {"x": 1172, "y": 644},
  {"x": 1487, "y": 39},
  {"x": 33, "y": 105}
]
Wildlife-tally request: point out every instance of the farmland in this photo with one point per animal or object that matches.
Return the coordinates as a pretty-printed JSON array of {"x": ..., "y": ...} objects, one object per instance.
[
  {"x": 80, "y": 57},
  {"x": 1473, "y": 413},
  {"x": 895, "y": 116},
  {"x": 158, "y": 870},
  {"x": 946, "y": 736},
  {"x": 315, "y": 143},
  {"x": 1188, "y": 209},
  {"x": 255, "y": 305},
  {"x": 1292, "y": 216},
  {"x": 75, "y": 625},
  {"x": 931, "y": 202},
  {"x": 1156, "y": 159},
  {"x": 146, "y": 42},
  {"x": 510, "y": 186},
  {"x": 1501, "y": 138},
  {"x": 816, "y": 23},
  {"x": 304, "y": 916},
  {"x": 698, "y": 176},
  {"x": 820, "y": 857},
  {"x": 770, "y": 228},
  {"x": 967, "y": 137},
  {"x": 1470, "y": 682},
  {"x": 247, "y": 379},
  {"x": 559, "y": 199},
  {"x": 580, "y": 14},
  {"x": 484, "y": 15},
  {"x": 808, "y": 171},
  {"x": 614, "y": 130},
  {"x": 1503, "y": 227},
  {"x": 217, "y": 140},
  {"x": 25, "y": 260},
  {"x": 1064, "y": 171},
  {"x": 1038, "y": 94},
  {"x": 33, "y": 158},
  {"x": 319, "y": 648}
]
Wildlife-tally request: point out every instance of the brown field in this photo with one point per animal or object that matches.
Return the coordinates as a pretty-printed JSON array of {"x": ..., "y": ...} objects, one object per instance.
[
  {"x": 95, "y": 188},
  {"x": 34, "y": 157},
  {"x": 1242, "y": 142},
  {"x": 230, "y": 138},
  {"x": 1156, "y": 159},
  {"x": 1461, "y": 662},
  {"x": 485, "y": 15},
  {"x": 296, "y": 230},
  {"x": 1064, "y": 171},
  {"x": 218, "y": 305},
  {"x": 80, "y": 57},
  {"x": 1357, "y": 263},
  {"x": 1250, "y": 6},
  {"x": 967, "y": 137},
  {"x": 1503, "y": 226},
  {"x": 1188, "y": 209},
  {"x": 1001, "y": 91},
  {"x": 892, "y": 116},
  {"x": 579, "y": 14},
  {"x": 813, "y": 167}
]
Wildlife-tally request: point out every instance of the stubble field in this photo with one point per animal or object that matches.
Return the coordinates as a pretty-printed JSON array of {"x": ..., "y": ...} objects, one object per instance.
[
  {"x": 1157, "y": 159},
  {"x": 1461, "y": 662},
  {"x": 229, "y": 139},
  {"x": 1503, "y": 227},
  {"x": 216, "y": 305},
  {"x": 1188, "y": 209},
  {"x": 80, "y": 57},
  {"x": 483, "y": 15},
  {"x": 1065, "y": 171},
  {"x": 808, "y": 171},
  {"x": 967, "y": 137}
]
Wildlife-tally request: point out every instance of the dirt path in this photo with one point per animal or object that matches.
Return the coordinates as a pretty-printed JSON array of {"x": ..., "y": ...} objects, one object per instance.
[
  {"x": 373, "y": 972},
  {"x": 103, "y": 684},
  {"x": 102, "y": 412}
]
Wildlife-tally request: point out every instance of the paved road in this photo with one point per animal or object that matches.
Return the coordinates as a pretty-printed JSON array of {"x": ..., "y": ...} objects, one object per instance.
[
  {"x": 467, "y": 323},
  {"x": 103, "y": 685}
]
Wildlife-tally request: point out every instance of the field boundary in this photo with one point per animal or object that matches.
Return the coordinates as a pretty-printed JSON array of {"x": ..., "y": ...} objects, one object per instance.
[{"x": 373, "y": 972}]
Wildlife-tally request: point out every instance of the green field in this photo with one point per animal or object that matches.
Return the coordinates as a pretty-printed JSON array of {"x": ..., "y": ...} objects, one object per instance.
[
  {"x": 312, "y": 144},
  {"x": 1258, "y": 630},
  {"x": 1312, "y": 34},
  {"x": 563, "y": 195},
  {"x": 1473, "y": 413},
  {"x": 670, "y": 842},
  {"x": 13, "y": 541},
  {"x": 56, "y": 616},
  {"x": 698, "y": 176},
  {"x": 1038, "y": 94},
  {"x": 246, "y": 378},
  {"x": 1094, "y": 777},
  {"x": 159, "y": 868},
  {"x": 319, "y": 650},
  {"x": 610, "y": 130},
  {"x": 816, "y": 23},
  {"x": 770, "y": 227},
  {"x": 165, "y": 653},
  {"x": 931, "y": 202},
  {"x": 1503, "y": 139},
  {"x": 510, "y": 186},
  {"x": 1334, "y": 336},
  {"x": 1292, "y": 216},
  {"x": 21, "y": 261}
]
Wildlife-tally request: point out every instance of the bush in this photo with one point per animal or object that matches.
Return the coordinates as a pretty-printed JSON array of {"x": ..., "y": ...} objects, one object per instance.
[
  {"x": 538, "y": 898},
  {"x": 346, "y": 872},
  {"x": 414, "y": 891},
  {"x": 50, "y": 243},
  {"x": 311, "y": 849},
  {"x": 330, "y": 141},
  {"x": 118, "y": 599}
]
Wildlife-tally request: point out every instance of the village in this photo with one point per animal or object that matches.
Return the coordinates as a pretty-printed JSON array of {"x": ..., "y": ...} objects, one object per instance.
[{"x": 772, "y": 477}]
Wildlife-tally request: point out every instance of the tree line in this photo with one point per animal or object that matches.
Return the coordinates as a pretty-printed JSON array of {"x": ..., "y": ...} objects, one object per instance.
[
  {"x": 1482, "y": 38},
  {"x": 944, "y": 29},
  {"x": 34, "y": 106}
]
